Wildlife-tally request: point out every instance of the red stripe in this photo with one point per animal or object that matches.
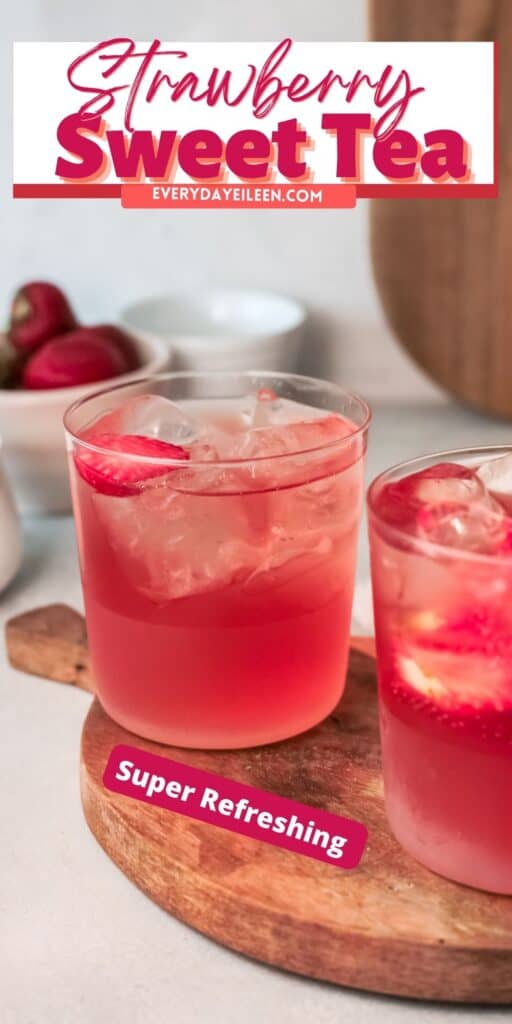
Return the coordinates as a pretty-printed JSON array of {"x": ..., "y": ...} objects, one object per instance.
[
  {"x": 426, "y": 191},
  {"x": 362, "y": 191},
  {"x": 66, "y": 191}
]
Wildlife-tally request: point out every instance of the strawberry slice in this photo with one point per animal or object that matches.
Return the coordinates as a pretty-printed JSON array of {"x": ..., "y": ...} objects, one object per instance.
[
  {"x": 118, "y": 476},
  {"x": 464, "y": 662}
]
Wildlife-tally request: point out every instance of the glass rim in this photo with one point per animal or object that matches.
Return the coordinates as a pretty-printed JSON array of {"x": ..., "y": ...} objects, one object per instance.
[
  {"x": 422, "y": 543},
  {"x": 217, "y": 375}
]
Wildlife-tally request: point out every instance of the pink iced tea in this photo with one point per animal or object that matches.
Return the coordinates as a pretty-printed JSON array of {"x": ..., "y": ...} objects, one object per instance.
[
  {"x": 217, "y": 540},
  {"x": 441, "y": 546}
]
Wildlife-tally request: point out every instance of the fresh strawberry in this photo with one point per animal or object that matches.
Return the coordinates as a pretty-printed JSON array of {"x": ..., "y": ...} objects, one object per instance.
[
  {"x": 39, "y": 311},
  {"x": 120, "y": 476},
  {"x": 122, "y": 339},
  {"x": 80, "y": 357}
]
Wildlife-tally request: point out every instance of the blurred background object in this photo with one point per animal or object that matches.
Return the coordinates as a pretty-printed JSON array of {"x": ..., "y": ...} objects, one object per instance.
[
  {"x": 443, "y": 267},
  {"x": 10, "y": 532},
  {"x": 223, "y": 328}
]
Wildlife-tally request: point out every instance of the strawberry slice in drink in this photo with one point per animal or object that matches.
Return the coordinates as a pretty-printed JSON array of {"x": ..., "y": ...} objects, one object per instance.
[
  {"x": 120, "y": 469},
  {"x": 464, "y": 662}
]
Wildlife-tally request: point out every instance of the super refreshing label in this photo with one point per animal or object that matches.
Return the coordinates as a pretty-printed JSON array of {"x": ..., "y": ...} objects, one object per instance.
[{"x": 236, "y": 807}]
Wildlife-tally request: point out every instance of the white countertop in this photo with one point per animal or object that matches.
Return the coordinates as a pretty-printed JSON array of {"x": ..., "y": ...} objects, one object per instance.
[{"x": 79, "y": 944}]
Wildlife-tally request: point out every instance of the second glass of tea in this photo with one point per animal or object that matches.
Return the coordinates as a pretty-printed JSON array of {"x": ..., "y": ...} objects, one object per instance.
[{"x": 441, "y": 543}]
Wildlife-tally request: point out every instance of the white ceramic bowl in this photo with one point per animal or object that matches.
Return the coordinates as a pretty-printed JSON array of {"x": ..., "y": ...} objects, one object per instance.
[
  {"x": 33, "y": 434},
  {"x": 10, "y": 532},
  {"x": 223, "y": 328}
]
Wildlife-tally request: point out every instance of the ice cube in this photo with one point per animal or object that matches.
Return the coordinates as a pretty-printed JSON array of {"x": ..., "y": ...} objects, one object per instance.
[
  {"x": 156, "y": 416},
  {"x": 438, "y": 490},
  {"x": 480, "y": 527},
  {"x": 282, "y": 427},
  {"x": 496, "y": 476},
  {"x": 400, "y": 502},
  {"x": 172, "y": 544},
  {"x": 264, "y": 408},
  {"x": 212, "y": 523}
]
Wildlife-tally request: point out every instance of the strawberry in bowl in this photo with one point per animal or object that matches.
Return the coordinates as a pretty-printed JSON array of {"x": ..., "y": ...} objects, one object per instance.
[
  {"x": 48, "y": 360},
  {"x": 82, "y": 356}
]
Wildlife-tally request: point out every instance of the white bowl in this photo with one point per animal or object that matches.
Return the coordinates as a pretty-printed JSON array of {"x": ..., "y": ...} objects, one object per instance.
[
  {"x": 10, "y": 532},
  {"x": 33, "y": 434},
  {"x": 223, "y": 328}
]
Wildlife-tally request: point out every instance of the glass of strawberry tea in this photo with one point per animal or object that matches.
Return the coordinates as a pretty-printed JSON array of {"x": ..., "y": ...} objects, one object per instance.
[
  {"x": 217, "y": 519},
  {"x": 441, "y": 547}
]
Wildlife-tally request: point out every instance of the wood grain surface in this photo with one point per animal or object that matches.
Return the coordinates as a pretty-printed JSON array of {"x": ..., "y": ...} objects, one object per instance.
[
  {"x": 51, "y": 642},
  {"x": 388, "y": 926},
  {"x": 443, "y": 267}
]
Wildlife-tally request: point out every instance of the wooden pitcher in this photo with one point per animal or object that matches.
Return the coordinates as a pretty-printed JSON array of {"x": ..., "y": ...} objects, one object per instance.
[{"x": 444, "y": 267}]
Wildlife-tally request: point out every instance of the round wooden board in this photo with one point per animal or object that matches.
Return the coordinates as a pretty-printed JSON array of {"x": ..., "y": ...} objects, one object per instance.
[{"x": 388, "y": 926}]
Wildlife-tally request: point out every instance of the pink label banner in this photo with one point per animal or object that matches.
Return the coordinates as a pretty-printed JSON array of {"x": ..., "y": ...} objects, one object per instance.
[{"x": 235, "y": 806}]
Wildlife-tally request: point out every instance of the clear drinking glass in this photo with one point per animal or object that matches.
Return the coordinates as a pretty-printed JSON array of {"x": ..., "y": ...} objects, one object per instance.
[
  {"x": 218, "y": 576},
  {"x": 441, "y": 552}
]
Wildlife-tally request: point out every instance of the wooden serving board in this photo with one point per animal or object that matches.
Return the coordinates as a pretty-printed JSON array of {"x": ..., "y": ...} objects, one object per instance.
[
  {"x": 388, "y": 926},
  {"x": 443, "y": 267}
]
